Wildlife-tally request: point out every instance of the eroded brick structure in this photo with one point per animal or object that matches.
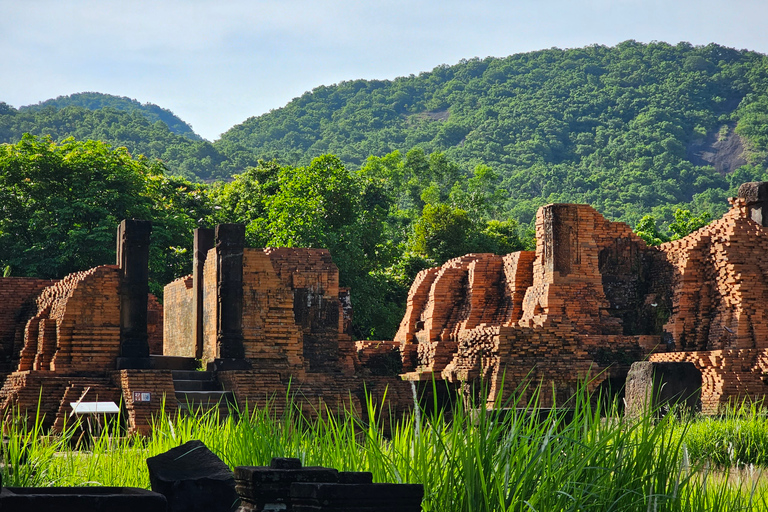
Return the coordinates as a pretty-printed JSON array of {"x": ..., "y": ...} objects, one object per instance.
[
  {"x": 582, "y": 302},
  {"x": 720, "y": 301},
  {"x": 592, "y": 299},
  {"x": 294, "y": 328},
  {"x": 67, "y": 336}
]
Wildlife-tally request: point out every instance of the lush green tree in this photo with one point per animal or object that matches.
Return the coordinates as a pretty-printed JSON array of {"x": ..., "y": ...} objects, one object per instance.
[
  {"x": 686, "y": 223},
  {"x": 61, "y": 204},
  {"x": 648, "y": 231}
]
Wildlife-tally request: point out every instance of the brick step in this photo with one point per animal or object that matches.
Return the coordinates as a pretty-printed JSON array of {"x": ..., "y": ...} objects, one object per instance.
[
  {"x": 192, "y": 375},
  {"x": 196, "y": 385},
  {"x": 206, "y": 398},
  {"x": 194, "y": 401}
]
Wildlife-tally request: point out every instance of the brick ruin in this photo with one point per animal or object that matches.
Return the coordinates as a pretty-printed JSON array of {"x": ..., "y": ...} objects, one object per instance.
[
  {"x": 266, "y": 322},
  {"x": 591, "y": 300},
  {"x": 269, "y": 323}
]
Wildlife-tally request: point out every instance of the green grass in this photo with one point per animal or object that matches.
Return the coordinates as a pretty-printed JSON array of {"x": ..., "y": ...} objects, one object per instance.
[{"x": 471, "y": 462}]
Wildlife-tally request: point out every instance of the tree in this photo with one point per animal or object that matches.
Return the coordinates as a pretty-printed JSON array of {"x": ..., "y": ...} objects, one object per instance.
[
  {"x": 61, "y": 204},
  {"x": 648, "y": 231}
]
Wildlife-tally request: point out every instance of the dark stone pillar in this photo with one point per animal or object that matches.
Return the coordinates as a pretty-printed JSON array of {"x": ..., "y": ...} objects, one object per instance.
[
  {"x": 230, "y": 239},
  {"x": 755, "y": 193},
  {"x": 204, "y": 241},
  {"x": 133, "y": 260}
]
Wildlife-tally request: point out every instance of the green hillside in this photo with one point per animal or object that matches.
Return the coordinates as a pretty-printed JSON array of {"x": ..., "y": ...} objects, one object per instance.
[
  {"x": 629, "y": 129},
  {"x": 96, "y": 101},
  {"x": 132, "y": 129}
]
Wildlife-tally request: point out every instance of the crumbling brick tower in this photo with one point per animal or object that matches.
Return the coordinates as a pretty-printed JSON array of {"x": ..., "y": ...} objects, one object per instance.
[
  {"x": 582, "y": 302},
  {"x": 72, "y": 334},
  {"x": 720, "y": 301}
]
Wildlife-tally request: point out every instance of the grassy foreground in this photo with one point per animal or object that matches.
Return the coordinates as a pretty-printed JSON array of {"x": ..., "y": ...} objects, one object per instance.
[{"x": 474, "y": 462}]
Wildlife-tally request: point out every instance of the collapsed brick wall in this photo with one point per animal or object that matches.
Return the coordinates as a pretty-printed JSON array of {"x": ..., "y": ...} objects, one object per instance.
[
  {"x": 179, "y": 324},
  {"x": 727, "y": 376},
  {"x": 552, "y": 317},
  {"x": 17, "y": 305},
  {"x": 719, "y": 319},
  {"x": 314, "y": 280},
  {"x": 71, "y": 341},
  {"x": 77, "y": 324},
  {"x": 721, "y": 285},
  {"x": 271, "y": 337}
]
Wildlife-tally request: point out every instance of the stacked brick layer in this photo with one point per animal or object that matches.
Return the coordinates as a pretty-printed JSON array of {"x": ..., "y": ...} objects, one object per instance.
[
  {"x": 579, "y": 305},
  {"x": 179, "y": 327}
]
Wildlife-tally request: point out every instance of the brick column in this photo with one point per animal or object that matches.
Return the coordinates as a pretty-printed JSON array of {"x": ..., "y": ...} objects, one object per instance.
[
  {"x": 230, "y": 239},
  {"x": 204, "y": 241},
  {"x": 755, "y": 193},
  {"x": 133, "y": 260}
]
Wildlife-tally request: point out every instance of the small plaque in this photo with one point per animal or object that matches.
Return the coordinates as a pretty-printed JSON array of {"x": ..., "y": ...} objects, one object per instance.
[{"x": 140, "y": 396}]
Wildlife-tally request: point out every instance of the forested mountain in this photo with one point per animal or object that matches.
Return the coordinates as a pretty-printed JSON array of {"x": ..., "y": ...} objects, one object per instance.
[
  {"x": 629, "y": 129},
  {"x": 428, "y": 167},
  {"x": 183, "y": 156},
  {"x": 96, "y": 101}
]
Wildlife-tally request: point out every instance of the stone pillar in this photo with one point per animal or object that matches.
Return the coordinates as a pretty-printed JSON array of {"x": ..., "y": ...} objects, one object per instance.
[
  {"x": 561, "y": 250},
  {"x": 204, "y": 241},
  {"x": 230, "y": 240},
  {"x": 755, "y": 193},
  {"x": 133, "y": 260}
]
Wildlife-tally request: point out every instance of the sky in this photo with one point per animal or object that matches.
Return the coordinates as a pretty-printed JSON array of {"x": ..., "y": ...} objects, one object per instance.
[{"x": 217, "y": 63}]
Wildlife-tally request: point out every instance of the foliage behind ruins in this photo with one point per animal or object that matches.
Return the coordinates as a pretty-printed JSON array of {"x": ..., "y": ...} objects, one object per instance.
[{"x": 427, "y": 167}]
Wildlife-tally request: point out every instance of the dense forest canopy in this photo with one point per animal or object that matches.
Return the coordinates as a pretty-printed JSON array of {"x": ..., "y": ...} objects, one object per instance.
[
  {"x": 633, "y": 129},
  {"x": 396, "y": 176},
  {"x": 97, "y": 101}
]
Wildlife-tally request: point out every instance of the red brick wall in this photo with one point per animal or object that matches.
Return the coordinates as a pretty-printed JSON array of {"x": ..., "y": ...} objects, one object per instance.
[
  {"x": 179, "y": 318},
  {"x": 271, "y": 337},
  {"x": 162, "y": 393},
  {"x": 17, "y": 305},
  {"x": 154, "y": 325}
]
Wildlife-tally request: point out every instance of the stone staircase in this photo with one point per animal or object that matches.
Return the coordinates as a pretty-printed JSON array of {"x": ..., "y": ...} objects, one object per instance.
[{"x": 198, "y": 390}]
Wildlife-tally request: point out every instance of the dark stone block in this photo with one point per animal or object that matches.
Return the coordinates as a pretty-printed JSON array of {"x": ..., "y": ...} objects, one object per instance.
[
  {"x": 754, "y": 191},
  {"x": 355, "y": 477},
  {"x": 193, "y": 479},
  {"x": 659, "y": 386},
  {"x": 225, "y": 365},
  {"x": 285, "y": 463},
  {"x": 173, "y": 363},
  {"x": 357, "y": 497},
  {"x": 268, "y": 488},
  {"x": 80, "y": 499},
  {"x": 230, "y": 240},
  {"x": 134, "y": 363}
]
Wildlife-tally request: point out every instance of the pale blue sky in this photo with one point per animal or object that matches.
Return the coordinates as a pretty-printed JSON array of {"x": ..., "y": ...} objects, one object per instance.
[{"x": 216, "y": 63}]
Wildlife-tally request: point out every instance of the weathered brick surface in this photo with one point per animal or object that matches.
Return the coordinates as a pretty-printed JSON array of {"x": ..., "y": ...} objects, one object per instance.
[
  {"x": 162, "y": 396},
  {"x": 719, "y": 316},
  {"x": 596, "y": 297},
  {"x": 155, "y": 323},
  {"x": 17, "y": 305},
  {"x": 179, "y": 326},
  {"x": 70, "y": 343},
  {"x": 554, "y": 317}
]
